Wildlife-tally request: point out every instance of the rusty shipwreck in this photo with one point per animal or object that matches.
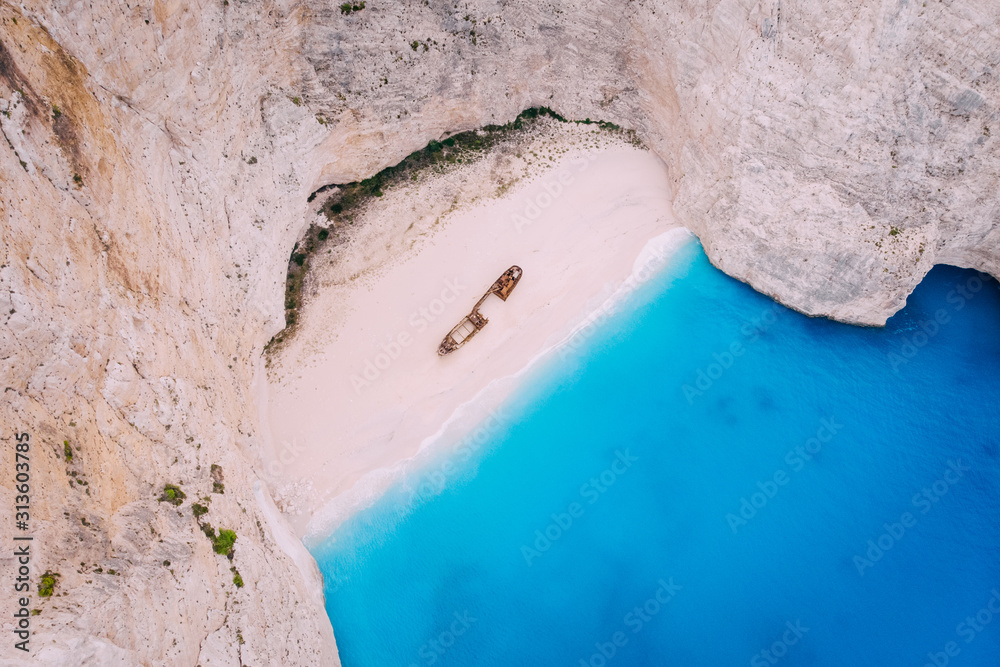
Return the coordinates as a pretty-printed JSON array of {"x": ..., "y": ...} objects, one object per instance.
[{"x": 472, "y": 323}]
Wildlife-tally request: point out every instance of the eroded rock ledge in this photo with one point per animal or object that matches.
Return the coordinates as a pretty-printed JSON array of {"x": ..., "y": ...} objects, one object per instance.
[{"x": 156, "y": 165}]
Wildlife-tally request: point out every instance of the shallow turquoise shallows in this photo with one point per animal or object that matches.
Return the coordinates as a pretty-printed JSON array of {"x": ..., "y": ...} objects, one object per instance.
[{"x": 708, "y": 479}]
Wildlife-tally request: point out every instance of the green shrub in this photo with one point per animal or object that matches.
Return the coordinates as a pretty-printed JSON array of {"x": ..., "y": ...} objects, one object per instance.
[
  {"x": 237, "y": 579},
  {"x": 199, "y": 509},
  {"x": 172, "y": 494},
  {"x": 47, "y": 585},
  {"x": 67, "y": 451},
  {"x": 223, "y": 544}
]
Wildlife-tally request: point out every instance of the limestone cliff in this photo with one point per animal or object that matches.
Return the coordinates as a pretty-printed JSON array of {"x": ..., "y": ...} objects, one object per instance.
[
  {"x": 155, "y": 170},
  {"x": 828, "y": 154},
  {"x": 141, "y": 269}
]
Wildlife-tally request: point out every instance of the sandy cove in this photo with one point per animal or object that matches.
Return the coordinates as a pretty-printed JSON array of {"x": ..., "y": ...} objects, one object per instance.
[{"x": 360, "y": 390}]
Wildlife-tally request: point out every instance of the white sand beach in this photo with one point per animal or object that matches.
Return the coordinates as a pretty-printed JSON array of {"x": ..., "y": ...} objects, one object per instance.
[{"x": 361, "y": 389}]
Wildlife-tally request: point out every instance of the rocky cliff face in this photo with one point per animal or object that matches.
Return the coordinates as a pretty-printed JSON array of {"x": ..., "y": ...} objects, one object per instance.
[
  {"x": 827, "y": 155},
  {"x": 143, "y": 254},
  {"x": 155, "y": 171}
]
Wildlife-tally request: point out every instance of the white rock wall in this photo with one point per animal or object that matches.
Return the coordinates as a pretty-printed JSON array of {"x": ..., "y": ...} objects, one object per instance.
[
  {"x": 799, "y": 135},
  {"x": 132, "y": 313}
]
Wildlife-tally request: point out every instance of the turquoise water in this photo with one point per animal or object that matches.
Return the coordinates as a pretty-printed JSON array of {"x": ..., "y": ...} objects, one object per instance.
[{"x": 709, "y": 479}]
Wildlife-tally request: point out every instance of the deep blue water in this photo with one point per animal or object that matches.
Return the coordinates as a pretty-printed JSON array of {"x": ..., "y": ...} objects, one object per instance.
[{"x": 834, "y": 435}]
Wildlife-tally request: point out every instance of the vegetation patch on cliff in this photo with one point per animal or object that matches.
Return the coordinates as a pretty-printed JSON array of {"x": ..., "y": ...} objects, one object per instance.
[
  {"x": 223, "y": 542},
  {"x": 172, "y": 494},
  {"x": 217, "y": 477},
  {"x": 47, "y": 585}
]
